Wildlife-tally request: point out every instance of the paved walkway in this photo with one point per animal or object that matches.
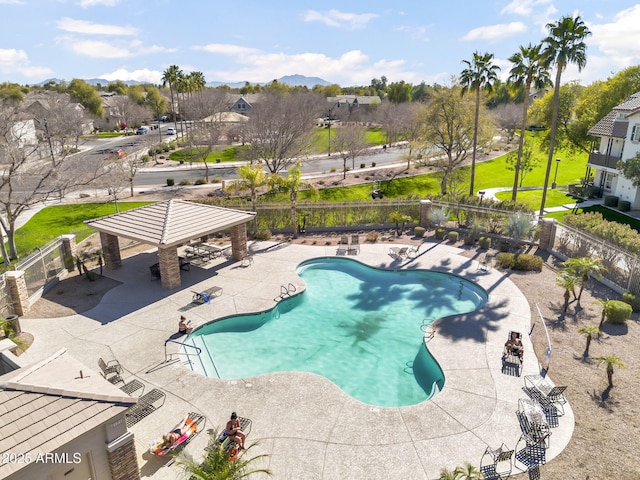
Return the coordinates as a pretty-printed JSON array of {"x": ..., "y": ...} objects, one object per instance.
[{"x": 309, "y": 428}]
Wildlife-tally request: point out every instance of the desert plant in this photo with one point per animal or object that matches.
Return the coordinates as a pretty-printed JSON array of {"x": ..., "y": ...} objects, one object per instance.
[
  {"x": 170, "y": 182},
  {"x": 184, "y": 182},
  {"x": 523, "y": 261},
  {"x": 617, "y": 311},
  {"x": 584, "y": 268},
  {"x": 438, "y": 216},
  {"x": 400, "y": 220},
  {"x": 419, "y": 232},
  {"x": 591, "y": 333},
  {"x": 632, "y": 300},
  {"x": 469, "y": 239},
  {"x": 453, "y": 236},
  {"x": 517, "y": 227},
  {"x": 262, "y": 234},
  {"x": 440, "y": 233},
  {"x": 569, "y": 282},
  {"x": 372, "y": 237},
  {"x": 610, "y": 362},
  {"x": 484, "y": 242},
  {"x": 200, "y": 181}
]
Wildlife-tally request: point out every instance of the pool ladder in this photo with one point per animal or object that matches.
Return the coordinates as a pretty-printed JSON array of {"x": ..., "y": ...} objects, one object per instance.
[
  {"x": 285, "y": 291},
  {"x": 428, "y": 329}
]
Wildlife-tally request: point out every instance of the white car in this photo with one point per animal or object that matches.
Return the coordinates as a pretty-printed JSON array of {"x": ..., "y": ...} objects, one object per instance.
[{"x": 171, "y": 131}]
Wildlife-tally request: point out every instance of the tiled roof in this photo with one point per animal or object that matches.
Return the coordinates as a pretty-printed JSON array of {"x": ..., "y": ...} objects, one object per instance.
[
  {"x": 46, "y": 405},
  {"x": 171, "y": 222},
  {"x": 614, "y": 123}
]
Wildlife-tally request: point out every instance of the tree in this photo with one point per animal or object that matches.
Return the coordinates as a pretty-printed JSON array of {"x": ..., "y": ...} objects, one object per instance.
[
  {"x": 291, "y": 184},
  {"x": 85, "y": 94},
  {"x": 591, "y": 333},
  {"x": 448, "y": 126},
  {"x": 630, "y": 168},
  {"x": 583, "y": 268},
  {"x": 252, "y": 178},
  {"x": 280, "y": 128},
  {"x": 611, "y": 361},
  {"x": 569, "y": 282},
  {"x": 349, "y": 142},
  {"x": 399, "y": 92},
  {"x": 528, "y": 70},
  {"x": 564, "y": 45},
  {"x": 400, "y": 219},
  {"x": 217, "y": 465},
  {"x": 171, "y": 76},
  {"x": 528, "y": 162},
  {"x": 479, "y": 75},
  {"x": 468, "y": 472}
]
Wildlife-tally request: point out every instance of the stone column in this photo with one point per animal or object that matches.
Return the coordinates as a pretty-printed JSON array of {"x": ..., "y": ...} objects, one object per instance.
[
  {"x": 548, "y": 228},
  {"x": 110, "y": 251},
  {"x": 239, "y": 242},
  {"x": 68, "y": 251},
  {"x": 169, "y": 267},
  {"x": 123, "y": 461},
  {"x": 425, "y": 213},
  {"x": 18, "y": 294}
]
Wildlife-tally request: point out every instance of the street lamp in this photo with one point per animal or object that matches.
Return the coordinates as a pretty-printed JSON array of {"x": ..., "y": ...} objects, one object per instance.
[
  {"x": 481, "y": 194},
  {"x": 555, "y": 176},
  {"x": 329, "y": 113}
]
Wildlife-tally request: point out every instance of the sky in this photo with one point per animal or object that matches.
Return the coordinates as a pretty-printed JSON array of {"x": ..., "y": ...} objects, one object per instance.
[{"x": 343, "y": 42}]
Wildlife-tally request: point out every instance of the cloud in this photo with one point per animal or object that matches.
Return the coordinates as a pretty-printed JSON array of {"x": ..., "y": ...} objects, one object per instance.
[
  {"x": 12, "y": 61},
  {"x": 336, "y": 18},
  {"x": 80, "y": 26},
  {"x": 143, "y": 75},
  {"x": 620, "y": 39},
  {"x": 494, "y": 32},
  {"x": 97, "y": 49},
  {"x": 415, "y": 33},
  {"x": 93, "y": 3},
  {"x": 227, "y": 49},
  {"x": 524, "y": 7}
]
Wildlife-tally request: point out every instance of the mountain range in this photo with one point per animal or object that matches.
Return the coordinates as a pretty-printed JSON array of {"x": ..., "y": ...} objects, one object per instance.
[{"x": 291, "y": 80}]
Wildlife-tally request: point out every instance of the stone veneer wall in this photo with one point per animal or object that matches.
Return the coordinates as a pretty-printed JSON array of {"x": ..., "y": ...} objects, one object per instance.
[
  {"x": 17, "y": 292},
  {"x": 123, "y": 460},
  {"x": 239, "y": 242},
  {"x": 425, "y": 213},
  {"x": 169, "y": 267},
  {"x": 110, "y": 251},
  {"x": 547, "y": 233}
]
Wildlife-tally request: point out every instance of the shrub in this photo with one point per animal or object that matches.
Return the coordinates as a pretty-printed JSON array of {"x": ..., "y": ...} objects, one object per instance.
[
  {"x": 200, "y": 181},
  {"x": 624, "y": 206},
  {"x": 216, "y": 180},
  {"x": 262, "y": 234},
  {"x": 362, "y": 165},
  {"x": 166, "y": 148},
  {"x": 453, "y": 236},
  {"x": 419, "y": 231},
  {"x": 372, "y": 237},
  {"x": 469, "y": 239},
  {"x": 632, "y": 300},
  {"x": 333, "y": 170},
  {"x": 610, "y": 200},
  {"x": 373, "y": 164},
  {"x": 184, "y": 182},
  {"x": 524, "y": 261},
  {"x": 440, "y": 233},
  {"x": 170, "y": 182},
  {"x": 484, "y": 242},
  {"x": 617, "y": 311},
  {"x": 503, "y": 246}
]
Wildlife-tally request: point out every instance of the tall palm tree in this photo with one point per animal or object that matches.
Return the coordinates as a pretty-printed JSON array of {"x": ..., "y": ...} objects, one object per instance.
[
  {"x": 480, "y": 74},
  {"x": 611, "y": 361},
  {"x": 591, "y": 333},
  {"x": 564, "y": 45},
  {"x": 252, "y": 177},
  {"x": 171, "y": 76},
  {"x": 291, "y": 184},
  {"x": 528, "y": 71}
]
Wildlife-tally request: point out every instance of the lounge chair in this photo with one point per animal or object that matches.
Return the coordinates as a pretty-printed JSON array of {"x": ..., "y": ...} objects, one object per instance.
[
  {"x": 191, "y": 426},
  {"x": 499, "y": 466},
  {"x": 134, "y": 387},
  {"x": 111, "y": 370},
  {"x": 343, "y": 245},
  {"x": 511, "y": 360},
  {"x": 399, "y": 252},
  {"x": 147, "y": 404},
  {"x": 355, "y": 244},
  {"x": 155, "y": 271}
]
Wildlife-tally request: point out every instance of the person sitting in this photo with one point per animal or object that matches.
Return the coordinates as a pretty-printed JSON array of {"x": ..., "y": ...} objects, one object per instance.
[
  {"x": 184, "y": 326},
  {"x": 234, "y": 432},
  {"x": 514, "y": 346}
]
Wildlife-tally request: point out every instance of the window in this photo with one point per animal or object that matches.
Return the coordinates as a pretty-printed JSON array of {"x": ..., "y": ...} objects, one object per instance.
[
  {"x": 609, "y": 180},
  {"x": 635, "y": 133}
]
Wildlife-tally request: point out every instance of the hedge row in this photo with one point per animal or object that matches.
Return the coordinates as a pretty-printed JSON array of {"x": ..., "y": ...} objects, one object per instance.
[{"x": 616, "y": 233}]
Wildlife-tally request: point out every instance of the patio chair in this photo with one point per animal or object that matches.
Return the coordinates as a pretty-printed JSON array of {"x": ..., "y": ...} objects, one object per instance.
[
  {"x": 187, "y": 430},
  {"x": 511, "y": 360},
  {"x": 355, "y": 244},
  {"x": 499, "y": 466},
  {"x": 155, "y": 271},
  {"x": 147, "y": 404},
  {"x": 134, "y": 387},
  {"x": 343, "y": 245},
  {"x": 111, "y": 370},
  {"x": 534, "y": 442},
  {"x": 556, "y": 396},
  {"x": 399, "y": 252}
]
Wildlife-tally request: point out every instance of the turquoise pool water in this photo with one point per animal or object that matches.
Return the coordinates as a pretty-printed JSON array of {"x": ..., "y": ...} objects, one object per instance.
[{"x": 358, "y": 326}]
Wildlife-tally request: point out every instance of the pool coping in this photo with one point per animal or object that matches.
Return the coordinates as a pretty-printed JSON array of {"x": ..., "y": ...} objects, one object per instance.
[{"x": 307, "y": 425}]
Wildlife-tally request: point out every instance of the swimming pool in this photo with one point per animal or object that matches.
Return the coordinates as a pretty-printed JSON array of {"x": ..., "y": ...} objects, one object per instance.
[{"x": 358, "y": 326}]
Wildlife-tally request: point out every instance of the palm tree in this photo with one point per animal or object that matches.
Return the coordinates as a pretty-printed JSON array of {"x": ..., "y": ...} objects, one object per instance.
[
  {"x": 216, "y": 464},
  {"x": 569, "y": 282},
  {"x": 583, "y": 268},
  {"x": 591, "y": 333},
  {"x": 564, "y": 45},
  {"x": 290, "y": 184},
  {"x": 468, "y": 472},
  {"x": 605, "y": 307},
  {"x": 252, "y": 178},
  {"x": 480, "y": 74},
  {"x": 611, "y": 361},
  {"x": 528, "y": 70},
  {"x": 446, "y": 474},
  {"x": 172, "y": 76}
]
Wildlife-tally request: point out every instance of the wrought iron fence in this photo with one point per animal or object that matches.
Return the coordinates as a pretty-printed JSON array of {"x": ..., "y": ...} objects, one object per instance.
[{"x": 42, "y": 266}]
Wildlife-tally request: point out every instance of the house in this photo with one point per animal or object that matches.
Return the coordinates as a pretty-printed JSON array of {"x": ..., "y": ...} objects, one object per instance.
[
  {"x": 352, "y": 102},
  {"x": 53, "y": 105},
  {"x": 61, "y": 420},
  {"x": 243, "y": 104},
  {"x": 619, "y": 139}
]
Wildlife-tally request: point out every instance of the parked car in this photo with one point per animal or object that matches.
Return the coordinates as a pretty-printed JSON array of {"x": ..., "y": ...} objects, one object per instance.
[
  {"x": 119, "y": 152},
  {"x": 142, "y": 131},
  {"x": 171, "y": 131}
]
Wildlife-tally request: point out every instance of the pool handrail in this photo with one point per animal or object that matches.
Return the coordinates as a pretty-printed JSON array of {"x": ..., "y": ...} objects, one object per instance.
[{"x": 167, "y": 356}]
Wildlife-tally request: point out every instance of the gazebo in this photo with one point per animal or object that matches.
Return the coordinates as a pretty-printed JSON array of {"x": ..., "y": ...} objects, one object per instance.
[{"x": 169, "y": 225}]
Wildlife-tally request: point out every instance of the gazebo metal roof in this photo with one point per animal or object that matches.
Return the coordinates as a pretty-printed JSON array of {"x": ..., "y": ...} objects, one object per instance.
[{"x": 171, "y": 222}]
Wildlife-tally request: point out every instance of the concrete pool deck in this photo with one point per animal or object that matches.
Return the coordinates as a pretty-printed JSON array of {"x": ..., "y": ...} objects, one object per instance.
[{"x": 310, "y": 428}]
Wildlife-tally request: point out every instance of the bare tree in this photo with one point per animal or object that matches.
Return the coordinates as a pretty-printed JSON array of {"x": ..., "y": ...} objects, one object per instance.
[
  {"x": 280, "y": 126},
  {"x": 509, "y": 118},
  {"x": 349, "y": 142},
  {"x": 131, "y": 113}
]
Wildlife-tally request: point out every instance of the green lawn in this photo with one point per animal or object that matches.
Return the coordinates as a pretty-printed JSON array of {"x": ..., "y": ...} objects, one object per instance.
[
  {"x": 227, "y": 154},
  {"x": 532, "y": 198},
  {"x": 51, "y": 222}
]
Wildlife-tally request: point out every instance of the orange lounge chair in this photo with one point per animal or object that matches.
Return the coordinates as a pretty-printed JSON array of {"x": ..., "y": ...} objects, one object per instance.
[{"x": 191, "y": 426}]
